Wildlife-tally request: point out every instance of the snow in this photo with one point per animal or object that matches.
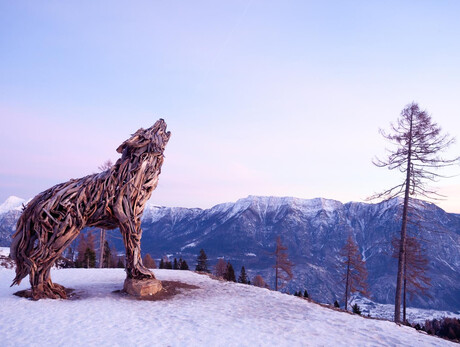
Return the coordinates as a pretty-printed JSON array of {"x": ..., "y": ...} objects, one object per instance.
[
  {"x": 153, "y": 213},
  {"x": 263, "y": 204},
  {"x": 5, "y": 251},
  {"x": 217, "y": 314},
  {"x": 386, "y": 311},
  {"x": 190, "y": 245},
  {"x": 12, "y": 203}
]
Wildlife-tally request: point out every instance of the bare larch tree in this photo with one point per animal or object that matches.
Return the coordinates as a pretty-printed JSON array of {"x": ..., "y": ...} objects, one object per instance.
[
  {"x": 419, "y": 142},
  {"x": 220, "y": 268},
  {"x": 355, "y": 274},
  {"x": 283, "y": 266},
  {"x": 415, "y": 279}
]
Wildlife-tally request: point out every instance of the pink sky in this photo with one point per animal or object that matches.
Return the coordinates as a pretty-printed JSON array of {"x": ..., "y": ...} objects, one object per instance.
[{"x": 262, "y": 98}]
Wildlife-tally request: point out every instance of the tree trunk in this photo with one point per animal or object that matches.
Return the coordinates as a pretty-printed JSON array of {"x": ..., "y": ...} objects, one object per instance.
[
  {"x": 276, "y": 274},
  {"x": 346, "y": 284},
  {"x": 404, "y": 300},
  {"x": 101, "y": 247},
  {"x": 402, "y": 244}
]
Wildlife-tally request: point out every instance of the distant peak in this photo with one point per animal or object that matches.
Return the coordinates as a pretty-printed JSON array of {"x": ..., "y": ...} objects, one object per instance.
[{"x": 12, "y": 203}]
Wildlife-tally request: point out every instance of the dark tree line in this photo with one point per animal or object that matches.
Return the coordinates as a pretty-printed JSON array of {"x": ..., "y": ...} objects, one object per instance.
[{"x": 180, "y": 264}]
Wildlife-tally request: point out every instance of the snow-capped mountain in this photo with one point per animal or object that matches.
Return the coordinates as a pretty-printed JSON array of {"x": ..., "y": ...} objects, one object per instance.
[
  {"x": 314, "y": 231},
  {"x": 10, "y": 211}
]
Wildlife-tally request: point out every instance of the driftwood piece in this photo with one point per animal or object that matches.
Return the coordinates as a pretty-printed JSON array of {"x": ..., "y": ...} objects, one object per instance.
[{"x": 111, "y": 199}]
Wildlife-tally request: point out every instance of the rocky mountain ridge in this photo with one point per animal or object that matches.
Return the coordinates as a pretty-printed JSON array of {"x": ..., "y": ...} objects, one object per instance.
[{"x": 314, "y": 231}]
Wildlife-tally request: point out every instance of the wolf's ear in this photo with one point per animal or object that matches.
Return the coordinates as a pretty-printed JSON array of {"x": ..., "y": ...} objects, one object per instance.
[{"x": 136, "y": 140}]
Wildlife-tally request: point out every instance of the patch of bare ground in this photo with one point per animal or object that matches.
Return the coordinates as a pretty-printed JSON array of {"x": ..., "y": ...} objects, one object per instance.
[
  {"x": 27, "y": 293},
  {"x": 169, "y": 290}
]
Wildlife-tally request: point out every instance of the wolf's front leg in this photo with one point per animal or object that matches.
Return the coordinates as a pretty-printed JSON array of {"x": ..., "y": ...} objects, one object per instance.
[{"x": 132, "y": 238}]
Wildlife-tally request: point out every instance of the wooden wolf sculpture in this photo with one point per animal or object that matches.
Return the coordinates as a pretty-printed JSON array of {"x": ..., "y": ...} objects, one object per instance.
[{"x": 111, "y": 199}]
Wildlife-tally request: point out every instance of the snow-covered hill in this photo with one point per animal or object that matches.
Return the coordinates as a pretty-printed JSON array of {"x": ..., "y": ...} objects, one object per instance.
[{"x": 216, "y": 314}]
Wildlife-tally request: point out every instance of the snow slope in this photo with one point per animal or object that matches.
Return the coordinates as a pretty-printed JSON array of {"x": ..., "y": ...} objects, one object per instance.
[
  {"x": 5, "y": 251},
  {"x": 217, "y": 314}
]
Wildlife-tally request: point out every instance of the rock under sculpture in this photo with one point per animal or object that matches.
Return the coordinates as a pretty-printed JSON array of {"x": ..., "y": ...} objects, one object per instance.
[{"x": 111, "y": 199}]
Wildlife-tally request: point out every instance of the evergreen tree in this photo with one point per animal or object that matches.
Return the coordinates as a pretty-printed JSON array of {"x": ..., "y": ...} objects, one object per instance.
[
  {"x": 243, "y": 278},
  {"x": 336, "y": 304},
  {"x": 81, "y": 248},
  {"x": 162, "y": 264},
  {"x": 114, "y": 259},
  {"x": 175, "y": 265},
  {"x": 184, "y": 265},
  {"x": 86, "y": 253},
  {"x": 283, "y": 266},
  {"x": 202, "y": 262},
  {"x": 230, "y": 273},
  {"x": 89, "y": 258},
  {"x": 305, "y": 294},
  {"x": 149, "y": 262},
  {"x": 356, "y": 309},
  {"x": 107, "y": 258},
  {"x": 167, "y": 264},
  {"x": 120, "y": 263}
]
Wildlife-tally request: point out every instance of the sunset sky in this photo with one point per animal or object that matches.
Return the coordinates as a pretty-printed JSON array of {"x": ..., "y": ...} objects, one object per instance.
[{"x": 280, "y": 98}]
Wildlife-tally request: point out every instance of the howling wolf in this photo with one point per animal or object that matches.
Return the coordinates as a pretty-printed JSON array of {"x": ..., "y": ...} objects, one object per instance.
[{"x": 111, "y": 199}]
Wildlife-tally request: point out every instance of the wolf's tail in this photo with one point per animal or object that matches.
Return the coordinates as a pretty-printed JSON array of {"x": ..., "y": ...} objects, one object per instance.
[{"x": 21, "y": 248}]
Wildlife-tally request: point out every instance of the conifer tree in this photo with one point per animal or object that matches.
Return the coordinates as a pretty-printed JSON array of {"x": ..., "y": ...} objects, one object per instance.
[
  {"x": 162, "y": 264},
  {"x": 175, "y": 265},
  {"x": 283, "y": 266},
  {"x": 167, "y": 264},
  {"x": 89, "y": 258},
  {"x": 86, "y": 252},
  {"x": 183, "y": 265},
  {"x": 336, "y": 304},
  {"x": 258, "y": 281},
  {"x": 81, "y": 248},
  {"x": 243, "y": 278},
  {"x": 355, "y": 274},
  {"x": 305, "y": 294},
  {"x": 114, "y": 256},
  {"x": 149, "y": 262},
  {"x": 356, "y": 309},
  {"x": 120, "y": 263},
  {"x": 230, "y": 273},
  {"x": 418, "y": 143},
  {"x": 415, "y": 279},
  {"x": 202, "y": 262},
  {"x": 107, "y": 258}
]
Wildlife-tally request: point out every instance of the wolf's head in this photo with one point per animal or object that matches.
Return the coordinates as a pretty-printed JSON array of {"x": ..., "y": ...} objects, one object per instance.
[{"x": 153, "y": 139}]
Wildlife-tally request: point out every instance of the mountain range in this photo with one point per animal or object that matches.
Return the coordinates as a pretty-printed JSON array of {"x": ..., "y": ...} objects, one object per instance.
[{"x": 313, "y": 230}]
